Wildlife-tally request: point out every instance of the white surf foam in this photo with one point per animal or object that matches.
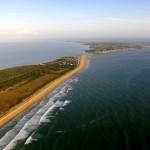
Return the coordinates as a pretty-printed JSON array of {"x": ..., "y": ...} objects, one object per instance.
[
  {"x": 30, "y": 140},
  {"x": 14, "y": 131},
  {"x": 41, "y": 116},
  {"x": 45, "y": 118},
  {"x": 66, "y": 102}
]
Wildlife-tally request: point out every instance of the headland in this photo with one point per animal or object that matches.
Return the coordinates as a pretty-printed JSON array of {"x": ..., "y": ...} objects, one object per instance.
[{"x": 105, "y": 47}]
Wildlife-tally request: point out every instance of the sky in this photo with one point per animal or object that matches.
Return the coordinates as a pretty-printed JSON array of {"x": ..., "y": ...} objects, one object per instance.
[{"x": 68, "y": 19}]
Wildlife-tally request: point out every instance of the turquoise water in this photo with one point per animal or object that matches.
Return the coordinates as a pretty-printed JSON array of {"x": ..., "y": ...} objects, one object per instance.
[{"x": 105, "y": 106}]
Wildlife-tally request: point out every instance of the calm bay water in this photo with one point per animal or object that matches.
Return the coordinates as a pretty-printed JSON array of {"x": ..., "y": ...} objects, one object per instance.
[
  {"x": 16, "y": 54},
  {"x": 105, "y": 106}
]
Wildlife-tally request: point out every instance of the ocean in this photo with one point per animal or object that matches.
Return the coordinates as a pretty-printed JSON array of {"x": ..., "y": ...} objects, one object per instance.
[
  {"x": 25, "y": 53},
  {"x": 105, "y": 106}
]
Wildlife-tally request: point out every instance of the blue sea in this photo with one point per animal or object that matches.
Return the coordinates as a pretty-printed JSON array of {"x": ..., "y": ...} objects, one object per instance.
[
  {"x": 105, "y": 106},
  {"x": 24, "y": 53}
]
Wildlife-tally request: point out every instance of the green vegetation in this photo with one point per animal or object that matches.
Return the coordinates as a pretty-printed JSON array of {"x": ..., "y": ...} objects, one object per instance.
[
  {"x": 98, "y": 48},
  {"x": 20, "y": 82}
]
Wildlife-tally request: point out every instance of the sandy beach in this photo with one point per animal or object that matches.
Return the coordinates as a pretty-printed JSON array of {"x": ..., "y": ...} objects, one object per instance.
[{"x": 40, "y": 93}]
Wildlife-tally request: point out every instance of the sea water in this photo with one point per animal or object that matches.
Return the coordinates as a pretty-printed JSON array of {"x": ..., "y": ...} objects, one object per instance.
[
  {"x": 104, "y": 106},
  {"x": 24, "y": 53}
]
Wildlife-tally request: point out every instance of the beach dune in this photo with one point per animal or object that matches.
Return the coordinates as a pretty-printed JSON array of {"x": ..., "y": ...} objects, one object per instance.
[{"x": 40, "y": 93}]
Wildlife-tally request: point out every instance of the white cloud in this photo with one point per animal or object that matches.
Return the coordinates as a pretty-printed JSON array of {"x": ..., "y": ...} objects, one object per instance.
[
  {"x": 26, "y": 32},
  {"x": 109, "y": 27},
  {"x": 16, "y": 32}
]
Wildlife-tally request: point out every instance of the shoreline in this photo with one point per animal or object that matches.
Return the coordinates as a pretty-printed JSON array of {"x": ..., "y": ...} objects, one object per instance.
[
  {"x": 15, "y": 111},
  {"x": 121, "y": 50}
]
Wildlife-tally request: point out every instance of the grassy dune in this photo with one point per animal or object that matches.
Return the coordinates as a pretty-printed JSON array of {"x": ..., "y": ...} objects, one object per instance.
[{"x": 18, "y": 83}]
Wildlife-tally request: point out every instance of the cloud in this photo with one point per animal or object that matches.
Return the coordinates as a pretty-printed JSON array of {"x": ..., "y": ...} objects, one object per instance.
[
  {"x": 16, "y": 32},
  {"x": 26, "y": 32}
]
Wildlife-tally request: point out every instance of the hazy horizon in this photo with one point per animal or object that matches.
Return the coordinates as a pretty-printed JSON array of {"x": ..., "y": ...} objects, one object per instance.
[{"x": 64, "y": 19}]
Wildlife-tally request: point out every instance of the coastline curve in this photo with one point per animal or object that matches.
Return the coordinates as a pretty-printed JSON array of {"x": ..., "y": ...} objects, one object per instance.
[{"x": 15, "y": 111}]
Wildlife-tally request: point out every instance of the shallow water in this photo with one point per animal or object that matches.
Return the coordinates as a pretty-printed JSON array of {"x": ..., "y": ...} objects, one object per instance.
[{"x": 105, "y": 106}]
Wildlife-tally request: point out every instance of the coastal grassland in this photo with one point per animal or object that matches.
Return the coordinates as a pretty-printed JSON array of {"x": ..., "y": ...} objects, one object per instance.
[{"x": 18, "y": 83}]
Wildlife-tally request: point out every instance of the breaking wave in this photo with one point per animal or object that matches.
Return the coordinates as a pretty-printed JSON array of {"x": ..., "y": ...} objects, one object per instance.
[{"x": 40, "y": 114}]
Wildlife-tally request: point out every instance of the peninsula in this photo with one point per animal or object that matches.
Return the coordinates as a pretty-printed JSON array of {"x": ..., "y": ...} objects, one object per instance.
[
  {"x": 21, "y": 87},
  {"x": 104, "y": 47}
]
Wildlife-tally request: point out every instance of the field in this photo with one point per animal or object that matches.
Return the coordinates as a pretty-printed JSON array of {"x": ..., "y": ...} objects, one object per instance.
[{"x": 18, "y": 83}]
